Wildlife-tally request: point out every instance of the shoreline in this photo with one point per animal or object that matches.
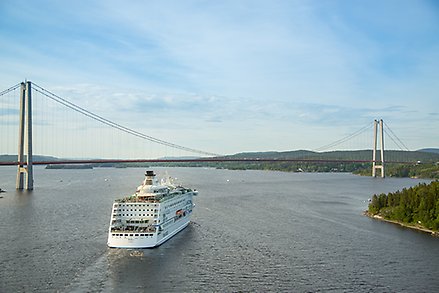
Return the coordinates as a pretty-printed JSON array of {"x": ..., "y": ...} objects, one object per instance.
[{"x": 405, "y": 225}]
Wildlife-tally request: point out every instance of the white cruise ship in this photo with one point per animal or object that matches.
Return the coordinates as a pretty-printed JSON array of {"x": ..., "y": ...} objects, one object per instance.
[{"x": 155, "y": 213}]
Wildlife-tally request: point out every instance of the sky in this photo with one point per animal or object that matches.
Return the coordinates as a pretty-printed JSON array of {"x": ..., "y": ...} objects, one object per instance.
[{"x": 233, "y": 76}]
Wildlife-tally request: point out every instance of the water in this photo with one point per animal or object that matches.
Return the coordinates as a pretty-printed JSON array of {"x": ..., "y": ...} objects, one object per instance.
[{"x": 252, "y": 231}]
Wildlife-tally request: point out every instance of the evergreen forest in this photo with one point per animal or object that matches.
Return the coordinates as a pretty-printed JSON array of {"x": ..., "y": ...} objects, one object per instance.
[{"x": 418, "y": 205}]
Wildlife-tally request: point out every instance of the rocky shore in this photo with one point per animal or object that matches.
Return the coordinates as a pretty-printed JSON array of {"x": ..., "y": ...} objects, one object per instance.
[{"x": 405, "y": 225}]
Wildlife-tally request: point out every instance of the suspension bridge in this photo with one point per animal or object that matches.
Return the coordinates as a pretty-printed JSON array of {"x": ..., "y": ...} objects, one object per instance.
[{"x": 44, "y": 123}]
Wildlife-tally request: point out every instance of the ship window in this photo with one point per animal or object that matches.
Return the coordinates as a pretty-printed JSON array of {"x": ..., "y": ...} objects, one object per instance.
[
  {"x": 126, "y": 234},
  {"x": 136, "y": 235}
]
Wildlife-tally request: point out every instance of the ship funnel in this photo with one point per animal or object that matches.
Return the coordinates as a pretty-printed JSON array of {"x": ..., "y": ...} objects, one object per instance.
[
  {"x": 149, "y": 178},
  {"x": 149, "y": 173}
]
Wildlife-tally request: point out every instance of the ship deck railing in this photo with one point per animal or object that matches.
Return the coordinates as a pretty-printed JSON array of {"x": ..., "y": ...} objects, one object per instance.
[
  {"x": 137, "y": 199},
  {"x": 153, "y": 199}
]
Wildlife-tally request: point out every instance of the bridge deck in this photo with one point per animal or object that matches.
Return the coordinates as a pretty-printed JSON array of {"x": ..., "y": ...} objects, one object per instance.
[{"x": 202, "y": 160}]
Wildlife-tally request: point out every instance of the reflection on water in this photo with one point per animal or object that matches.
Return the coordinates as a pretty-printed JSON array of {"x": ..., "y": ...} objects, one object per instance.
[{"x": 251, "y": 231}]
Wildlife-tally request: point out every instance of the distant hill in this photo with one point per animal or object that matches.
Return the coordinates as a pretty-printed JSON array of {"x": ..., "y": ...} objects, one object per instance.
[
  {"x": 37, "y": 158},
  {"x": 429, "y": 150},
  {"x": 428, "y": 155},
  {"x": 274, "y": 155},
  {"x": 420, "y": 164},
  {"x": 180, "y": 158},
  {"x": 410, "y": 156}
]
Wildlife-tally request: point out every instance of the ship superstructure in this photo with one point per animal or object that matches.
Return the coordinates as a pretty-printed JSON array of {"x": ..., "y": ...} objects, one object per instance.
[{"x": 153, "y": 214}]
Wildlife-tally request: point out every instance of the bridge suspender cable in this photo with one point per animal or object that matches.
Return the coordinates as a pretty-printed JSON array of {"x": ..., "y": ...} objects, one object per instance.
[
  {"x": 98, "y": 118},
  {"x": 396, "y": 137},
  {"x": 10, "y": 89},
  {"x": 344, "y": 139}
]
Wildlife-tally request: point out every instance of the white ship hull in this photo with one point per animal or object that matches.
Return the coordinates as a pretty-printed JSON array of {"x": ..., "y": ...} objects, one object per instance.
[
  {"x": 141, "y": 240},
  {"x": 151, "y": 216}
]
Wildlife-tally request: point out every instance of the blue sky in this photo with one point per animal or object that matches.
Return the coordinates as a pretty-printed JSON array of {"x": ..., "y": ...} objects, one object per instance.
[{"x": 235, "y": 75}]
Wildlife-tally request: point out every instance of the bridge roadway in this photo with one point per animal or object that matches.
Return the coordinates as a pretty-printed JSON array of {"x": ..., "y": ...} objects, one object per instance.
[{"x": 201, "y": 160}]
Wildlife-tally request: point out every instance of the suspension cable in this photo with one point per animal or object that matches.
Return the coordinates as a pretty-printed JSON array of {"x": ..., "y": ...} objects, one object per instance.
[
  {"x": 105, "y": 121},
  {"x": 342, "y": 140},
  {"x": 406, "y": 148},
  {"x": 390, "y": 136},
  {"x": 10, "y": 89}
]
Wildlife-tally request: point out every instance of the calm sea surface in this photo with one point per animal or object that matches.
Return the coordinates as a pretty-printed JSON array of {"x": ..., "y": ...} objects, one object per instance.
[{"x": 252, "y": 231}]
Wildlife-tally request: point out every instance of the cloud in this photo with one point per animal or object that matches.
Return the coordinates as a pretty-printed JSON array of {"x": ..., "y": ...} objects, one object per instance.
[{"x": 245, "y": 71}]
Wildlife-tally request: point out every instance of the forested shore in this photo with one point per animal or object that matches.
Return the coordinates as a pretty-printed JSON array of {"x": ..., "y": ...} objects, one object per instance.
[{"x": 417, "y": 207}]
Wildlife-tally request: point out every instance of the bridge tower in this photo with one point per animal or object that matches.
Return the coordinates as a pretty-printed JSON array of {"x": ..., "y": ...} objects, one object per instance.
[
  {"x": 380, "y": 164},
  {"x": 25, "y": 178}
]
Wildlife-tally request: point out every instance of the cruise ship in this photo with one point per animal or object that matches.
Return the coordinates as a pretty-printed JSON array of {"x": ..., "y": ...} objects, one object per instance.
[{"x": 153, "y": 214}]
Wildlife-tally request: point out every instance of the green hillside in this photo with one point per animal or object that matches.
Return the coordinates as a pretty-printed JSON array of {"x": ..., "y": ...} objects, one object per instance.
[
  {"x": 37, "y": 158},
  {"x": 360, "y": 155}
]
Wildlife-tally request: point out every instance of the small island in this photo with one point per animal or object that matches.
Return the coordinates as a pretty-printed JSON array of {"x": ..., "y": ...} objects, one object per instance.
[
  {"x": 61, "y": 166},
  {"x": 416, "y": 207}
]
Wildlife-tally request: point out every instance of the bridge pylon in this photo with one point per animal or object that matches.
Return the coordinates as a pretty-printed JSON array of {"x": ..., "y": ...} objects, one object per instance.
[
  {"x": 378, "y": 164},
  {"x": 25, "y": 178}
]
